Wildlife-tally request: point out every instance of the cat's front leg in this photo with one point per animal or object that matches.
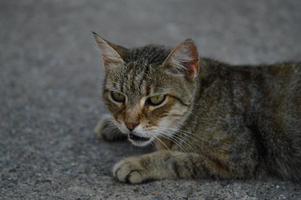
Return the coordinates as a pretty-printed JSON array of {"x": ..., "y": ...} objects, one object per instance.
[
  {"x": 159, "y": 165},
  {"x": 106, "y": 130}
]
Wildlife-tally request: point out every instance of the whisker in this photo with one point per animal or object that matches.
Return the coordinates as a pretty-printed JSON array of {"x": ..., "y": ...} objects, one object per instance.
[
  {"x": 174, "y": 140},
  {"x": 187, "y": 138},
  {"x": 163, "y": 143}
]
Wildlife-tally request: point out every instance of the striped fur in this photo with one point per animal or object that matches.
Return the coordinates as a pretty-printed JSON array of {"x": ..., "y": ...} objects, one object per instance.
[{"x": 218, "y": 120}]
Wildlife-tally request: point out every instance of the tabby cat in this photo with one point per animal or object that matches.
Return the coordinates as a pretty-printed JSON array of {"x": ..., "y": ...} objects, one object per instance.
[{"x": 206, "y": 118}]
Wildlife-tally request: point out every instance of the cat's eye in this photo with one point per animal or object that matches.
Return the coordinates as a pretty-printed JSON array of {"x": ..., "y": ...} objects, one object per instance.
[
  {"x": 118, "y": 97},
  {"x": 156, "y": 100}
]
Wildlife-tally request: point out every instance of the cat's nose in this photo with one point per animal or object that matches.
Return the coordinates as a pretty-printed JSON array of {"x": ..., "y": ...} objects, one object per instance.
[{"x": 131, "y": 125}]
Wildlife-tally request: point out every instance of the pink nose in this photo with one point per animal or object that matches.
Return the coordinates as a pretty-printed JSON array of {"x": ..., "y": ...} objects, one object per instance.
[{"x": 131, "y": 125}]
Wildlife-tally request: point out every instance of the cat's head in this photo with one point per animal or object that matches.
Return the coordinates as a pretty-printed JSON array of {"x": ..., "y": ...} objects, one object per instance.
[{"x": 149, "y": 90}]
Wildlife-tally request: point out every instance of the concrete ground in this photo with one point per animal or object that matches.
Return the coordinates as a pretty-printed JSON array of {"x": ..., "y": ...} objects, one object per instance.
[{"x": 50, "y": 80}]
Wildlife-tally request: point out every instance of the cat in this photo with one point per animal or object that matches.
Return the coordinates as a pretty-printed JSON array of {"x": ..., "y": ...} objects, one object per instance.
[{"x": 207, "y": 119}]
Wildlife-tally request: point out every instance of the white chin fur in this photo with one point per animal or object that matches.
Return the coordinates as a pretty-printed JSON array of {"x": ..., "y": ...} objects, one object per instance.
[{"x": 141, "y": 144}]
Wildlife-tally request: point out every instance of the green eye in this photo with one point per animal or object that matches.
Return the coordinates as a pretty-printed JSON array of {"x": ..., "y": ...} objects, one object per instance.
[
  {"x": 118, "y": 97},
  {"x": 156, "y": 100}
]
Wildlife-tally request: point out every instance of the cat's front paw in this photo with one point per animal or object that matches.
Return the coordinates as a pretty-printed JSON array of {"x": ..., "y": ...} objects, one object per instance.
[
  {"x": 130, "y": 170},
  {"x": 106, "y": 130}
]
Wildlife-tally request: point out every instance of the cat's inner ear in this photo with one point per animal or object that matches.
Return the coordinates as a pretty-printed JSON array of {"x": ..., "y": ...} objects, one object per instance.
[
  {"x": 112, "y": 54},
  {"x": 183, "y": 60}
]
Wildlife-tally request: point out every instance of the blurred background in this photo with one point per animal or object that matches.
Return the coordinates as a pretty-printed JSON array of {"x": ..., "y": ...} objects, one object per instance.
[{"x": 50, "y": 86}]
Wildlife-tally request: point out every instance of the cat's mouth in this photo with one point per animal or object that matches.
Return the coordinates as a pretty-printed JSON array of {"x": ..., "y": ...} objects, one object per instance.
[{"x": 139, "y": 140}]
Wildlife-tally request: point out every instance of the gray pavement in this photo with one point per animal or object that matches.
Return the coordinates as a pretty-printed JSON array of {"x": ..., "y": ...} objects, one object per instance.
[{"x": 50, "y": 80}]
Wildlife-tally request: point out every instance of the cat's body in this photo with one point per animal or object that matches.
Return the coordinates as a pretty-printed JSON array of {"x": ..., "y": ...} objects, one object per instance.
[
  {"x": 216, "y": 120},
  {"x": 249, "y": 118}
]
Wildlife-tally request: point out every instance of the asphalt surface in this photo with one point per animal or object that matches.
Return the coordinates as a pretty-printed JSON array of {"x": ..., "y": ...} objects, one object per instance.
[{"x": 50, "y": 83}]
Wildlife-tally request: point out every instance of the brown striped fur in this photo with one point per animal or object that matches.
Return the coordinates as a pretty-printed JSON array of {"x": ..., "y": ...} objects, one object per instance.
[{"x": 218, "y": 120}]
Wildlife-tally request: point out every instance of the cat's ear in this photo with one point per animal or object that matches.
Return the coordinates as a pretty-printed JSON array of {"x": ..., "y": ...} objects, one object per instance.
[
  {"x": 183, "y": 60},
  {"x": 112, "y": 54}
]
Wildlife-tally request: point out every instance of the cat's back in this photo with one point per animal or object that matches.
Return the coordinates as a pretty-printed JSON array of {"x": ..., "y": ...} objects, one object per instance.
[
  {"x": 276, "y": 86},
  {"x": 281, "y": 89},
  {"x": 282, "y": 79}
]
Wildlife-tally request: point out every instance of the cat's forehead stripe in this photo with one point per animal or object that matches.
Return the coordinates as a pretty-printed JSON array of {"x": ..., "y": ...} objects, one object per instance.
[
  {"x": 132, "y": 78},
  {"x": 125, "y": 78},
  {"x": 145, "y": 72}
]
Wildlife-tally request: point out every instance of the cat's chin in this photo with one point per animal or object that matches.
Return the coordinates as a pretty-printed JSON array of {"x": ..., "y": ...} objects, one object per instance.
[{"x": 139, "y": 141}]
